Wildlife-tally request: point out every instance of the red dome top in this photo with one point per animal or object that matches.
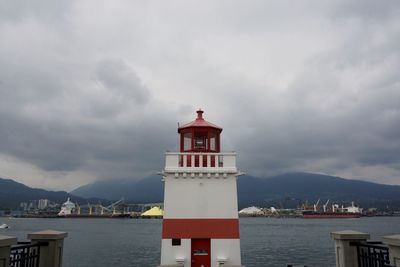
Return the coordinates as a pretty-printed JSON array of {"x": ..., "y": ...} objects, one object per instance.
[
  {"x": 200, "y": 136},
  {"x": 199, "y": 122}
]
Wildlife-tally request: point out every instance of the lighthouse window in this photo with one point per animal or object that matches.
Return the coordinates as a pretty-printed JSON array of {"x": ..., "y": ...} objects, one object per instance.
[
  {"x": 176, "y": 241},
  {"x": 200, "y": 142},
  {"x": 187, "y": 141},
  {"x": 212, "y": 142}
]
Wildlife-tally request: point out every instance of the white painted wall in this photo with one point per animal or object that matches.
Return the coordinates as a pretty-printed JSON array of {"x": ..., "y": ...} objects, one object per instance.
[
  {"x": 170, "y": 253},
  {"x": 228, "y": 249},
  {"x": 195, "y": 197},
  {"x": 209, "y": 196}
]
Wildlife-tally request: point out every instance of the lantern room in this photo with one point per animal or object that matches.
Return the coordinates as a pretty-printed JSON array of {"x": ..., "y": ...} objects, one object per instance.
[{"x": 200, "y": 136}]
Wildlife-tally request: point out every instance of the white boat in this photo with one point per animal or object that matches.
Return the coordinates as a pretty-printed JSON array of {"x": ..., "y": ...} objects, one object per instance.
[
  {"x": 67, "y": 208},
  {"x": 4, "y": 226}
]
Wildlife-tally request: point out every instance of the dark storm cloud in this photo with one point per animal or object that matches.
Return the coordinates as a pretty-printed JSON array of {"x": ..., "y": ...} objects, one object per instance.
[
  {"x": 96, "y": 90},
  {"x": 19, "y": 10},
  {"x": 65, "y": 115},
  {"x": 341, "y": 111},
  {"x": 368, "y": 10},
  {"x": 49, "y": 145},
  {"x": 115, "y": 75},
  {"x": 59, "y": 127}
]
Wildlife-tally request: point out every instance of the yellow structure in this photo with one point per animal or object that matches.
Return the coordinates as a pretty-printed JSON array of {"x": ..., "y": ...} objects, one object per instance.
[{"x": 153, "y": 212}]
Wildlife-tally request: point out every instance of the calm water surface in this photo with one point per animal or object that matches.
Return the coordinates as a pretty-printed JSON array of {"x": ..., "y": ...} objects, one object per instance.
[{"x": 264, "y": 241}]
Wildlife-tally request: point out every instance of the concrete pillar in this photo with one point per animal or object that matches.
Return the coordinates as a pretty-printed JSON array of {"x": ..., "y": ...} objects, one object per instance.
[
  {"x": 346, "y": 255},
  {"x": 393, "y": 241},
  {"x": 5, "y": 246},
  {"x": 50, "y": 255}
]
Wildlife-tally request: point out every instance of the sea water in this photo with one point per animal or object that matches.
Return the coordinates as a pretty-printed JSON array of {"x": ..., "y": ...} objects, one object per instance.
[{"x": 264, "y": 241}]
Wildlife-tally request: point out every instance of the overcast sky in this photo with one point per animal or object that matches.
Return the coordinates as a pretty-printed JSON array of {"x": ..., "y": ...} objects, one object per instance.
[{"x": 93, "y": 89}]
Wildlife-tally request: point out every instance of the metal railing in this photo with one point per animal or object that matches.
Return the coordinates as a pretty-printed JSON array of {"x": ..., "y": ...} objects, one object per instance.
[
  {"x": 188, "y": 161},
  {"x": 372, "y": 254},
  {"x": 26, "y": 254}
]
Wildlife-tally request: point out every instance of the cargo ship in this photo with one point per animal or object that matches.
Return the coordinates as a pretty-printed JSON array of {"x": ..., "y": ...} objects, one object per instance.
[
  {"x": 335, "y": 212},
  {"x": 71, "y": 210},
  {"x": 309, "y": 214}
]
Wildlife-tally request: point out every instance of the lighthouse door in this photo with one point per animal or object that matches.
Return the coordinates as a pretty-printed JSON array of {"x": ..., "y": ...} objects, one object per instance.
[{"x": 201, "y": 253}]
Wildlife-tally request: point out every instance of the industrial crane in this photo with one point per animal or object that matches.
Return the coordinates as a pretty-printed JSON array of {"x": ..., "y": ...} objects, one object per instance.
[
  {"x": 326, "y": 204},
  {"x": 110, "y": 208},
  {"x": 316, "y": 205},
  {"x": 90, "y": 208},
  {"x": 78, "y": 208}
]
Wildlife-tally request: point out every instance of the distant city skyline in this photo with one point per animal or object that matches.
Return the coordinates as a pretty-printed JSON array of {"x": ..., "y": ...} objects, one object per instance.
[{"x": 93, "y": 91}]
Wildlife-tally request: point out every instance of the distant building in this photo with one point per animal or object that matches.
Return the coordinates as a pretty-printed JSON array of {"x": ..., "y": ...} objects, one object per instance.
[
  {"x": 43, "y": 203},
  {"x": 32, "y": 205},
  {"x": 23, "y": 206}
]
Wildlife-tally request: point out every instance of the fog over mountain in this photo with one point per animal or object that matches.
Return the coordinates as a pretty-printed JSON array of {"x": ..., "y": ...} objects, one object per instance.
[
  {"x": 290, "y": 190},
  {"x": 13, "y": 193},
  {"x": 93, "y": 91}
]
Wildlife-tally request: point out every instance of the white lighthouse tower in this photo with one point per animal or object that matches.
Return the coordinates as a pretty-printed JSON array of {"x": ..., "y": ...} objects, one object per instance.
[{"x": 200, "y": 224}]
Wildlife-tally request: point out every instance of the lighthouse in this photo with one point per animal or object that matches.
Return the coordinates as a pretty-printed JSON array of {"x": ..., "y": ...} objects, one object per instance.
[{"x": 200, "y": 224}]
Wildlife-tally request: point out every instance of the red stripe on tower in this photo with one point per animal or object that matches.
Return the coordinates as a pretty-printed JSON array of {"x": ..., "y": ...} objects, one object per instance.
[{"x": 201, "y": 228}]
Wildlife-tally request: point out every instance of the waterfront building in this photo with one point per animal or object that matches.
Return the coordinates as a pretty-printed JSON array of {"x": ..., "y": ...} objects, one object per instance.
[
  {"x": 200, "y": 223},
  {"x": 43, "y": 203},
  {"x": 23, "y": 206}
]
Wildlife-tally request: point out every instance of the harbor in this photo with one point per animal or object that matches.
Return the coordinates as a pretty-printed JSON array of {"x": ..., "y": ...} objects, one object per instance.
[
  {"x": 121, "y": 209},
  {"x": 264, "y": 241},
  {"x": 69, "y": 209},
  {"x": 204, "y": 230}
]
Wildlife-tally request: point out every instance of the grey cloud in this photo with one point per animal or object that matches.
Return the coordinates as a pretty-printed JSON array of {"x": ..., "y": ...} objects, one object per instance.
[
  {"x": 299, "y": 86},
  {"x": 19, "y": 10},
  {"x": 57, "y": 145},
  {"x": 368, "y": 10},
  {"x": 66, "y": 121},
  {"x": 338, "y": 114},
  {"x": 117, "y": 76},
  {"x": 41, "y": 144}
]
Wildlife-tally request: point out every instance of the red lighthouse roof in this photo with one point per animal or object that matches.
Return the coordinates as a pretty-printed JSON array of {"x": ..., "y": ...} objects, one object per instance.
[{"x": 199, "y": 122}]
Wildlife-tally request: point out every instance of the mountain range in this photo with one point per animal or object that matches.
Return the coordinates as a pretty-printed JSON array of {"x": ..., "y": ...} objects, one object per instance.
[
  {"x": 13, "y": 193},
  {"x": 294, "y": 189},
  {"x": 146, "y": 190},
  {"x": 283, "y": 191}
]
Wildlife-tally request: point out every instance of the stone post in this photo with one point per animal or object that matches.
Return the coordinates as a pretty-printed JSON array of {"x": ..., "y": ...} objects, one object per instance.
[
  {"x": 50, "y": 255},
  {"x": 5, "y": 246},
  {"x": 346, "y": 255},
  {"x": 393, "y": 241}
]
